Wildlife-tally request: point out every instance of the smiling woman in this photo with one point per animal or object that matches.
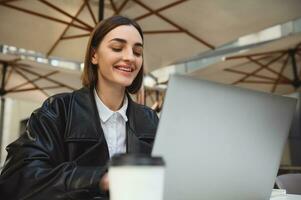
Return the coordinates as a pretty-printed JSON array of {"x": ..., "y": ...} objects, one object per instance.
[{"x": 64, "y": 151}]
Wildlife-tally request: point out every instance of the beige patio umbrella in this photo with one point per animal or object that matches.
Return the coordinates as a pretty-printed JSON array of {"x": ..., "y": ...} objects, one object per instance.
[
  {"x": 273, "y": 67},
  {"x": 174, "y": 29}
]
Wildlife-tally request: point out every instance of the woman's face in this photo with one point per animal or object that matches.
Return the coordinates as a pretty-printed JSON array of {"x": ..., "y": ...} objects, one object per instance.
[{"x": 119, "y": 56}]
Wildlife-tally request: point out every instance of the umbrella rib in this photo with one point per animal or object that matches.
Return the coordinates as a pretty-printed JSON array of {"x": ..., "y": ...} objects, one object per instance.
[
  {"x": 65, "y": 30},
  {"x": 75, "y": 36},
  {"x": 65, "y": 13},
  {"x": 47, "y": 78},
  {"x": 257, "y": 82},
  {"x": 162, "y": 31},
  {"x": 10, "y": 62},
  {"x": 33, "y": 80},
  {"x": 257, "y": 70},
  {"x": 90, "y": 11},
  {"x": 43, "y": 16},
  {"x": 160, "y": 9},
  {"x": 255, "y": 54},
  {"x": 247, "y": 62},
  {"x": 9, "y": 75},
  {"x": 121, "y": 7},
  {"x": 280, "y": 74},
  {"x": 6, "y": 1},
  {"x": 26, "y": 78},
  {"x": 266, "y": 66},
  {"x": 34, "y": 88},
  {"x": 113, "y": 6},
  {"x": 265, "y": 82},
  {"x": 245, "y": 73},
  {"x": 175, "y": 25}
]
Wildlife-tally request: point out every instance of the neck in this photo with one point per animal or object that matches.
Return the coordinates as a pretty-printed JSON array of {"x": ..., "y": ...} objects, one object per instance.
[{"x": 112, "y": 96}]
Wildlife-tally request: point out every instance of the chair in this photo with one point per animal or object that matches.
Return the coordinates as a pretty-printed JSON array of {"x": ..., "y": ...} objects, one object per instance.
[{"x": 290, "y": 182}]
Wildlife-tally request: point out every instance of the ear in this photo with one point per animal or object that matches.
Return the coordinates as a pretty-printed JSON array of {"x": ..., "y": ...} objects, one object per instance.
[{"x": 94, "y": 57}]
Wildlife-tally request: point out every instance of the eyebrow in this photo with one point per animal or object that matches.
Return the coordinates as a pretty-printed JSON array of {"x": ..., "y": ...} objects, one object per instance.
[{"x": 124, "y": 41}]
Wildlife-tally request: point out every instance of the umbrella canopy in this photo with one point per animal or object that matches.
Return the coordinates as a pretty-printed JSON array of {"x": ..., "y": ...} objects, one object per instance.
[
  {"x": 273, "y": 67},
  {"x": 30, "y": 80},
  {"x": 174, "y": 29}
]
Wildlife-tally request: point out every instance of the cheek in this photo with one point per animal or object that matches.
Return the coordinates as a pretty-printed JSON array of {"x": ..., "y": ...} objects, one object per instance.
[{"x": 103, "y": 68}]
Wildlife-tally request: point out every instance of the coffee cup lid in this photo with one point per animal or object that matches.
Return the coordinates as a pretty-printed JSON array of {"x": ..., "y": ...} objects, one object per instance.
[{"x": 136, "y": 159}]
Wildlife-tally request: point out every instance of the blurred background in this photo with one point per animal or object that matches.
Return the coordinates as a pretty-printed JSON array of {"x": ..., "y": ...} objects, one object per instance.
[{"x": 252, "y": 44}]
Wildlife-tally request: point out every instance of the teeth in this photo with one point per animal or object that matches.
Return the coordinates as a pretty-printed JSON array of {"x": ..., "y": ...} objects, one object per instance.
[{"x": 125, "y": 69}]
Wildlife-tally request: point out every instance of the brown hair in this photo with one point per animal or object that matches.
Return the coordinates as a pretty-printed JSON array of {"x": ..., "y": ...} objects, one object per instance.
[{"x": 90, "y": 75}]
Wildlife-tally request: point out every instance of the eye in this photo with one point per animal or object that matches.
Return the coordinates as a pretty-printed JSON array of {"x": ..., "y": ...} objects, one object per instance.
[
  {"x": 138, "y": 54},
  {"x": 115, "y": 49}
]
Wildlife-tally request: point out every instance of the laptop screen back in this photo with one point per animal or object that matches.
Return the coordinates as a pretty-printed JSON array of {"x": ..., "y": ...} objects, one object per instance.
[{"x": 221, "y": 142}]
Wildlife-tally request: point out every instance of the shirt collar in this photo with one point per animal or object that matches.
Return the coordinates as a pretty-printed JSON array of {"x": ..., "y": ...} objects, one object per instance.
[{"x": 105, "y": 113}]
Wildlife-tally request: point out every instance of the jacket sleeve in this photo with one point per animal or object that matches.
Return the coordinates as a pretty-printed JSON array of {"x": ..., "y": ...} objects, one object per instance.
[{"x": 36, "y": 167}]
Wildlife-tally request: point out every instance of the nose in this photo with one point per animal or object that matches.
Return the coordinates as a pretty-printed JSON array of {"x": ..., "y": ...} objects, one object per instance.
[{"x": 128, "y": 55}]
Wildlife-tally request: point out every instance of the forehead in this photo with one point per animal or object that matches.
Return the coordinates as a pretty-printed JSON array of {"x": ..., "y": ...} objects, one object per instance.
[{"x": 126, "y": 32}]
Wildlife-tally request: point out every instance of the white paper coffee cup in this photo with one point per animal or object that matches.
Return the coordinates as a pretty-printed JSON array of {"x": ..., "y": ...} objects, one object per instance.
[{"x": 136, "y": 177}]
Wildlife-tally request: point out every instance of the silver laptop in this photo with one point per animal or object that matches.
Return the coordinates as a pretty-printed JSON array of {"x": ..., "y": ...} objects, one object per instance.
[{"x": 221, "y": 142}]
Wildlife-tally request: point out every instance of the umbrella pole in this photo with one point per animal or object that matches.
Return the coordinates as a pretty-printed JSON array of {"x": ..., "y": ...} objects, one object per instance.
[
  {"x": 296, "y": 81},
  {"x": 2, "y": 93},
  {"x": 101, "y": 10}
]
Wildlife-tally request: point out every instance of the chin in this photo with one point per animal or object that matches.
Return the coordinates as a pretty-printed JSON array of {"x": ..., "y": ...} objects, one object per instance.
[{"x": 124, "y": 82}]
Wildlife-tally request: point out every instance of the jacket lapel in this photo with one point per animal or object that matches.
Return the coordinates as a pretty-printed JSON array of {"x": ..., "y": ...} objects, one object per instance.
[
  {"x": 83, "y": 122},
  {"x": 135, "y": 134}
]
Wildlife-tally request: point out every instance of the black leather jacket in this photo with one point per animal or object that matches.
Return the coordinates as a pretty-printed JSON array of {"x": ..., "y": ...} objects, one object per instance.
[{"x": 63, "y": 153}]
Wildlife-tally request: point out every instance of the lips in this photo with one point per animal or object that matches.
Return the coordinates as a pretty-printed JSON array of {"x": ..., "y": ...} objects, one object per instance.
[{"x": 124, "y": 68}]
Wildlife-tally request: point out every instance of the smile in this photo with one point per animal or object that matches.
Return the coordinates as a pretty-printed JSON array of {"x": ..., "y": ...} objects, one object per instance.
[{"x": 124, "y": 68}]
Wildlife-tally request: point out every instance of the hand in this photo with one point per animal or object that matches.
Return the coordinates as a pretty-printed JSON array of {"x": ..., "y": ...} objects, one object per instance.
[{"x": 104, "y": 182}]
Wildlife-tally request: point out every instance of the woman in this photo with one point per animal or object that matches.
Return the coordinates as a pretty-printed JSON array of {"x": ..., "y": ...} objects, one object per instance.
[{"x": 69, "y": 140}]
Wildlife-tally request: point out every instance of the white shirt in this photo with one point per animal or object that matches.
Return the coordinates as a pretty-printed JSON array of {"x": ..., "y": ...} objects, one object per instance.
[{"x": 113, "y": 124}]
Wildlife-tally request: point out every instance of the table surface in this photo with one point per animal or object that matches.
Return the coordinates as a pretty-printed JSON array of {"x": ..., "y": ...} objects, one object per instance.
[{"x": 287, "y": 197}]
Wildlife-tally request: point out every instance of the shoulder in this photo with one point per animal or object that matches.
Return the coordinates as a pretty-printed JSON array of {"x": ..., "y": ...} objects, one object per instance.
[
  {"x": 56, "y": 102},
  {"x": 146, "y": 110},
  {"x": 65, "y": 98},
  {"x": 59, "y": 103}
]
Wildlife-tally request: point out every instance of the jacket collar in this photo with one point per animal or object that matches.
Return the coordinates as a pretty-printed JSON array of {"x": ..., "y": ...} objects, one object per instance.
[{"x": 83, "y": 111}]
